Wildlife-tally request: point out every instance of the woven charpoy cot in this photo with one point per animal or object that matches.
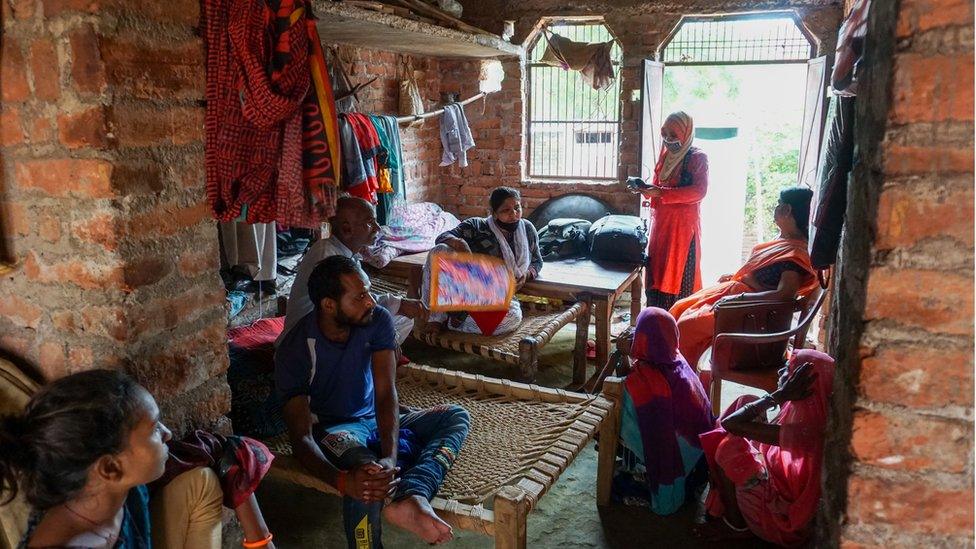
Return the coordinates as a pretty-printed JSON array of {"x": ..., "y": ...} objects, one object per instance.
[
  {"x": 522, "y": 438},
  {"x": 522, "y": 346}
]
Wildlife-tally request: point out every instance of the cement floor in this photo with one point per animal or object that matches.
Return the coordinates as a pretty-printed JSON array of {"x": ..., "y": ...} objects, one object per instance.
[{"x": 566, "y": 517}]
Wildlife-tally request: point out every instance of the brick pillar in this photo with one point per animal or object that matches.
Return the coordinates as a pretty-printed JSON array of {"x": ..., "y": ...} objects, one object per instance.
[
  {"x": 103, "y": 202},
  {"x": 900, "y": 459}
]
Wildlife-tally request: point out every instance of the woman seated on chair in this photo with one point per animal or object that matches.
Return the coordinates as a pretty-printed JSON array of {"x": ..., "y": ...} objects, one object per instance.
[
  {"x": 665, "y": 409},
  {"x": 85, "y": 449},
  {"x": 765, "y": 477},
  {"x": 777, "y": 270},
  {"x": 502, "y": 234}
]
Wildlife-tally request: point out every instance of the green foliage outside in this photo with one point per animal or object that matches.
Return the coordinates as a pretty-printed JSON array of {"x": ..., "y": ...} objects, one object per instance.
[{"x": 768, "y": 120}]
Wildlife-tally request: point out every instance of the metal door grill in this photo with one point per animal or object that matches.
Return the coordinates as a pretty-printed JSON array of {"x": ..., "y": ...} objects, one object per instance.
[
  {"x": 573, "y": 129},
  {"x": 738, "y": 39}
]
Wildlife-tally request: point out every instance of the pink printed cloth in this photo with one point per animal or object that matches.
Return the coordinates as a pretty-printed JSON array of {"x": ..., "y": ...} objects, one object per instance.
[{"x": 412, "y": 228}]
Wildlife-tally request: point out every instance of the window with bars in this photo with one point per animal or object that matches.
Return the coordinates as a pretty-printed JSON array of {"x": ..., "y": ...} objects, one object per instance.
[
  {"x": 772, "y": 37},
  {"x": 573, "y": 130}
]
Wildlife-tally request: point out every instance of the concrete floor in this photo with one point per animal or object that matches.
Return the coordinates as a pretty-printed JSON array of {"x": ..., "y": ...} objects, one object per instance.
[{"x": 566, "y": 517}]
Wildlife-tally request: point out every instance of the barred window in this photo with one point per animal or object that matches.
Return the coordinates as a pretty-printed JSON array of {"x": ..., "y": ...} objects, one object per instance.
[
  {"x": 573, "y": 130},
  {"x": 766, "y": 37}
]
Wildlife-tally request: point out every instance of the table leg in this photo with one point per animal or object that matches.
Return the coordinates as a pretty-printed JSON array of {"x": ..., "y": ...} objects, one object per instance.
[
  {"x": 636, "y": 298},
  {"x": 603, "y": 312},
  {"x": 582, "y": 334}
]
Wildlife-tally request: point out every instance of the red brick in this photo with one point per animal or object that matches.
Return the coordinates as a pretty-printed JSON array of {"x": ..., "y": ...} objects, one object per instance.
[
  {"x": 86, "y": 128},
  {"x": 155, "y": 71},
  {"x": 936, "y": 301},
  {"x": 21, "y": 312},
  {"x": 14, "y": 215},
  {"x": 918, "y": 377},
  {"x": 910, "y": 506},
  {"x": 13, "y": 72},
  {"x": 167, "y": 219},
  {"x": 17, "y": 345},
  {"x": 927, "y": 160},
  {"x": 11, "y": 127},
  {"x": 87, "y": 66},
  {"x": 89, "y": 178},
  {"x": 915, "y": 16},
  {"x": 41, "y": 130},
  {"x": 142, "y": 126},
  {"x": 99, "y": 229},
  {"x": 197, "y": 261},
  {"x": 173, "y": 11},
  {"x": 84, "y": 274},
  {"x": 905, "y": 217},
  {"x": 45, "y": 69},
  {"x": 49, "y": 228},
  {"x": 932, "y": 88},
  {"x": 80, "y": 358},
  {"x": 147, "y": 270},
  {"x": 169, "y": 312},
  {"x": 910, "y": 443},
  {"x": 185, "y": 363},
  {"x": 22, "y": 9},
  {"x": 106, "y": 321},
  {"x": 51, "y": 359}
]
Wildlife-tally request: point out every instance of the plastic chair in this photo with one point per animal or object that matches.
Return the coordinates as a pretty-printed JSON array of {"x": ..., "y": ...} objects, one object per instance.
[{"x": 752, "y": 338}]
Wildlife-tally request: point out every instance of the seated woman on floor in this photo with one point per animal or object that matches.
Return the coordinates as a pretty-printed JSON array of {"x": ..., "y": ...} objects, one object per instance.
[
  {"x": 665, "y": 409},
  {"x": 776, "y": 270},
  {"x": 502, "y": 234},
  {"x": 765, "y": 477},
  {"x": 85, "y": 449}
]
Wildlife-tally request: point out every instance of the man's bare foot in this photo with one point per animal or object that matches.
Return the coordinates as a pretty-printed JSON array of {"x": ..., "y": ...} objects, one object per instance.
[{"x": 415, "y": 515}]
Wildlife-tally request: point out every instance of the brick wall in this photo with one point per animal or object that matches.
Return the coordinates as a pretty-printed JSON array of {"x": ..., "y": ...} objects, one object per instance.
[
  {"x": 901, "y": 469},
  {"x": 498, "y": 158},
  {"x": 421, "y": 143},
  {"x": 101, "y": 152}
]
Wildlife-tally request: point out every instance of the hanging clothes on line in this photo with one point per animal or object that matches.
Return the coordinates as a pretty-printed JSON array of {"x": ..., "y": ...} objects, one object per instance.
[
  {"x": 591, "y": 60},
  {"x": 259, "y": 76},
  {"x": 455, "y": 136},
  {"x": 361, "y": 142},
  {"x": 389, "y": 134}
]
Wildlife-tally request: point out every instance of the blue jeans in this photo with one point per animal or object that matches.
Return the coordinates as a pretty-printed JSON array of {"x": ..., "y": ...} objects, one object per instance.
[{"x": 440, "y": 432}]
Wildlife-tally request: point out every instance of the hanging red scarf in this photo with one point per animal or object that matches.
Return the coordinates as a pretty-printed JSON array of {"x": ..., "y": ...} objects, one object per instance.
[{"x": 370, "y": 148}]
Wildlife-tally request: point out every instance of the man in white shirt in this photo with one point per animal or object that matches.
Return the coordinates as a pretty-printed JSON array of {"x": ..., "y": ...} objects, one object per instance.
[{"x": 354, "y": 228}]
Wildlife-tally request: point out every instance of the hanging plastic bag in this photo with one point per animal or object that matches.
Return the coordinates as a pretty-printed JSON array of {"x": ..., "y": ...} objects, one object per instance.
[{"x": 411, "y": 103}]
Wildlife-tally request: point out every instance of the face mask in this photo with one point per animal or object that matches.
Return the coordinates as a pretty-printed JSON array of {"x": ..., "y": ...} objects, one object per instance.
[{"x": 672, "y": 145}]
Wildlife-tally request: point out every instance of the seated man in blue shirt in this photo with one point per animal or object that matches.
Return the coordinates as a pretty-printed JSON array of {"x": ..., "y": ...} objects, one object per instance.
[{"x": 335, "y": 372}]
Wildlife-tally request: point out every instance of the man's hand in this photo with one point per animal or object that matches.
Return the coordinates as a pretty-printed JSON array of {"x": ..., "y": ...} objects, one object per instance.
[
  {"x": 371, "y": 482},
  {"x": 413, "y": 308},
  {"x": 458, "y": 245}
]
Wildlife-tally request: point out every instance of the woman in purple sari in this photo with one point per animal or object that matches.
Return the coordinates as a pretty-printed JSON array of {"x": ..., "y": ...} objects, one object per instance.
[{"x": 665, "y": 408}]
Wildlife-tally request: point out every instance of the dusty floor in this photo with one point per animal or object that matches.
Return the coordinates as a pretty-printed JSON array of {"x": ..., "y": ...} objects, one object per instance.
[{"x": 566, "y": 517}]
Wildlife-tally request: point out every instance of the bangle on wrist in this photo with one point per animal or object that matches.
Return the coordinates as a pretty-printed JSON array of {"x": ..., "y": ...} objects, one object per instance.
[
  {"x": 259, "y": 543},
  {"x": 772, "y": 398}
]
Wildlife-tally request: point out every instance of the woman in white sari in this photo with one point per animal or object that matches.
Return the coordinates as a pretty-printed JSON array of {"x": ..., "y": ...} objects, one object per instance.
[{"x": 502, "y": 234}]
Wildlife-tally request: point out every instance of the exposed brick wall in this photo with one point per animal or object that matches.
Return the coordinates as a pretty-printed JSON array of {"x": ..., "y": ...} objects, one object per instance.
[
  {"x": 102, "y": 199},
  {"x": 901, "y": 469},
  {"x": 421, "y": 143},
  {"x": 498, "y": 158}
]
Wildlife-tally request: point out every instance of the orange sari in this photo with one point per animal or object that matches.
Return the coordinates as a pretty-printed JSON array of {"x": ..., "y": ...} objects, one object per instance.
[{"x": 696, "y": 320}]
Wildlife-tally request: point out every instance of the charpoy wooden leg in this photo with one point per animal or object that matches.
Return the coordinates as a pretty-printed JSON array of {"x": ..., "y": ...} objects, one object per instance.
[
  {"x": 636, "y": 297},
  {"x": 582, "y": 334},
  {"x": 511, "y": 511},
  {"x": 414, "y": 279},
  {"x": 602, "y": 331},
  {"x": 609, "y": 435},
  {"x": 528, "y": 359}
]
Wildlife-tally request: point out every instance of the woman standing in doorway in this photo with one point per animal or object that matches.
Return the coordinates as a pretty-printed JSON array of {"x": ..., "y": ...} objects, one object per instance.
[{"x": 680, "y": 183}]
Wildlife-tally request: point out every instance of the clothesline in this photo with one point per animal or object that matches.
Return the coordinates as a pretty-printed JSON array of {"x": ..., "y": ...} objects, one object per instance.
[{"x": 406, "y": 119}]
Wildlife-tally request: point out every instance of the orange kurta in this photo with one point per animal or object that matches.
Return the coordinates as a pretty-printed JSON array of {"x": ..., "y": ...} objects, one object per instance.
[
  {"x": 696, "y": 320},
  {"x": 676, "y": 224}
]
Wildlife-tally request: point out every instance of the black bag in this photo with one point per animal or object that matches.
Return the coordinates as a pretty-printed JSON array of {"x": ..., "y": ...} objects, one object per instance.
[
  {"x": 619, "y": 238},
  {"x": 830, "y": 203},
  {"x": 564, "y": 237}
]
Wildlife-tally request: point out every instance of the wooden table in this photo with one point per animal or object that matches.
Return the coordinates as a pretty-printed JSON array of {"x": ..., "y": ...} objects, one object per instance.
[{"x": 572, "y": 279}]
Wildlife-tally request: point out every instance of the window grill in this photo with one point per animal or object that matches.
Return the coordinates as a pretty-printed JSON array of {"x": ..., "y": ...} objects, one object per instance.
[
  {"x": 738, "y": 39},
  {"x": 573, "y": 130}
]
